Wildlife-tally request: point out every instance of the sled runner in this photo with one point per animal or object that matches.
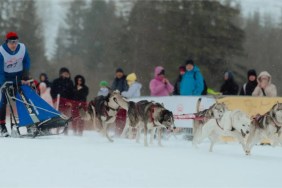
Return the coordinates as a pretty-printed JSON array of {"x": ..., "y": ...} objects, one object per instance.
[{"x": 35, "y": 117}]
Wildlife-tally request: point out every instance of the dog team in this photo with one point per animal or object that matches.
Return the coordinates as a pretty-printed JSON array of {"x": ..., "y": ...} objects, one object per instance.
[{"x": 211, "y": 123}]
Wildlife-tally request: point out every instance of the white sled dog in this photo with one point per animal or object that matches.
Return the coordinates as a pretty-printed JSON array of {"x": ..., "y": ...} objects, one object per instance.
[
  {"x": 104, "y": 108},
  {"x": 233, "y": 123},
  {"x": 216, "y": 111},
  {"x": 266, "y": 126}
]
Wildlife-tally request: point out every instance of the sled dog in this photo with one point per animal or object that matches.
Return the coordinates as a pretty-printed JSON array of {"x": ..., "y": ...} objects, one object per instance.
[
  {"x": 155, "y": 117},
  {"x": 135, "y": 116},
  {"x": 216, "y": 111},
  {"x": 233, "y": 123},
  {"x": 266, "y": 126},
  {"x": 105, "y": 108}
]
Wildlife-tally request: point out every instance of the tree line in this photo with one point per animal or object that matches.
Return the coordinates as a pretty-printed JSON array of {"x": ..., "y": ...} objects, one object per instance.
[{"x": 100, "y": 38}]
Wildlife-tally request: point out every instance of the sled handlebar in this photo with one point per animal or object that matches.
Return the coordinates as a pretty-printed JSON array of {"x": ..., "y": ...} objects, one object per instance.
[{"x": 6, "y": 83}]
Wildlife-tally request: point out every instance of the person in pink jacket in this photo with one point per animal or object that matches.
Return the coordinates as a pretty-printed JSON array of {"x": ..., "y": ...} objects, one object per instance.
[{"x": 160, "y": 86}]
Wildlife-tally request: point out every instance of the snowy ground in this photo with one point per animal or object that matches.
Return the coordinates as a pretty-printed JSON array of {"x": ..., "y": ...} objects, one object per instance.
[{"x": 91, "y": 161}]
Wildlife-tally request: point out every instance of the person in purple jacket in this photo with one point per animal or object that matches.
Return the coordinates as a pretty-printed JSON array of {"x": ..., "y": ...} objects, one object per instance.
[{"x": 160, "y": 86}]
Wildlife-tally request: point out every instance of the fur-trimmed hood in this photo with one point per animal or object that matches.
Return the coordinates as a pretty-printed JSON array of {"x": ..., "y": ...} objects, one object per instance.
[{"x": 264, "y": 73}]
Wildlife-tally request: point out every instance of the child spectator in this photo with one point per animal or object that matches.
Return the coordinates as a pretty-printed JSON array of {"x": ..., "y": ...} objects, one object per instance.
[
  {"x": 134, "y": 87},
  {"x": 104, "y": 88},
  {"x": 45, "y": 93},
  {"x": 182, "y": 71}
]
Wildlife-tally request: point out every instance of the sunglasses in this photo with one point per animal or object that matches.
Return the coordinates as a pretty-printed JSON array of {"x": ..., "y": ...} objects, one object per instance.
[{"x": 16, "y": 41}]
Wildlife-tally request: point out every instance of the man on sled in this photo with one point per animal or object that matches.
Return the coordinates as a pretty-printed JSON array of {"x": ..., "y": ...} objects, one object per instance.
[{"x": 14, "y": 67}]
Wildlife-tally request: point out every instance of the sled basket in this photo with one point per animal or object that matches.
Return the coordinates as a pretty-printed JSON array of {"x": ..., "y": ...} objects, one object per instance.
[{"x": 33, "y": 113}]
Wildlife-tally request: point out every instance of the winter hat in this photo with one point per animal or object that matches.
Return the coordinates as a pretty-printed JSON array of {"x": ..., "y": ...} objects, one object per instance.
[
  {"x": 182, "y": 68},
  {"x": 12, "y": 36},
  {"x": 131, "y": 77},
  {"x": 63, "y": 69},
  {"x": 252, "y": 72},
  {"x": 189, "y": 62},
  {"x": 104, "y": 83},
  {"x": 119, "y": 70}
]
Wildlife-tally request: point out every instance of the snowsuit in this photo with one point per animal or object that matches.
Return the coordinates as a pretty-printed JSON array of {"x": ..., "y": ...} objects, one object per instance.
[
  {"x": 192, "y": 82},
  {"x": 14, "y": 66},
  {"x": 269, "y": 91},
  {"x": 157, "y": 87}
]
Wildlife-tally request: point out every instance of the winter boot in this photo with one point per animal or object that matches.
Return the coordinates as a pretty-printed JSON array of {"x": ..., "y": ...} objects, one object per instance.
[{"x": 4, "y": 132}]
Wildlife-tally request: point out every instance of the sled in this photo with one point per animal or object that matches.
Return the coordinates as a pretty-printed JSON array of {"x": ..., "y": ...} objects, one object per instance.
[{"x": 34, "y": 117}]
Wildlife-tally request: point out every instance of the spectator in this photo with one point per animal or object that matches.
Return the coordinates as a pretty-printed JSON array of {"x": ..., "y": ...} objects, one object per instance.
[
  {"x": 265, "y": 87},
  {"x": 44, "y": 78},
  {"x": 134, "y": 87},
  {"x": 160, "y": 86},
  {"x": 80, "y": 93},
  {"x": 182, "y": 70},
  {"x": 249, "y": 87},
  {"x": 45, "y": 93},
  {"x": 229, "y": 87},
  {"x": 104, "y": 88},
  {"x": 119, "y": 82},
  {"x": 192, "y": 82},
  {"x": 63, "y": 86}
]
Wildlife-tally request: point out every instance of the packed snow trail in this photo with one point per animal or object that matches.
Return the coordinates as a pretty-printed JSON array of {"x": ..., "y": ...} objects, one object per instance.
[{"x": 91, "y": 161}]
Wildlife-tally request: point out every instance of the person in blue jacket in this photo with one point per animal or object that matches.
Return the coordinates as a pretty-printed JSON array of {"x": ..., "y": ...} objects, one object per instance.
[
  {"x": 14, "y": 66},
  {"x": 192, "y": 82}
]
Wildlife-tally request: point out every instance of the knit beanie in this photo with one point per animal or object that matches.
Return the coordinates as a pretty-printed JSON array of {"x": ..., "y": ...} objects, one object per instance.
[
  {"x": 119, "y": 70},
  {"x": 252, "y": 72},
  {"x": 12, "y": 36},
  {"x": 131, "y": 77},
  {"x": 64, "y": 69},
  {"x": 104, "y": 83},
  {"x": 189, "y": 62}
]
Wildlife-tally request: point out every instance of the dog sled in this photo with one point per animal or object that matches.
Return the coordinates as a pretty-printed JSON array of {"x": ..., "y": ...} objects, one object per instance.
[{"x": 32, "y": 116}]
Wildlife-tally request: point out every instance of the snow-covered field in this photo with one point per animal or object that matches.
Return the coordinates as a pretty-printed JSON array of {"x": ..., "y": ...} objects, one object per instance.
[{"x": 91, "y": 161}]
